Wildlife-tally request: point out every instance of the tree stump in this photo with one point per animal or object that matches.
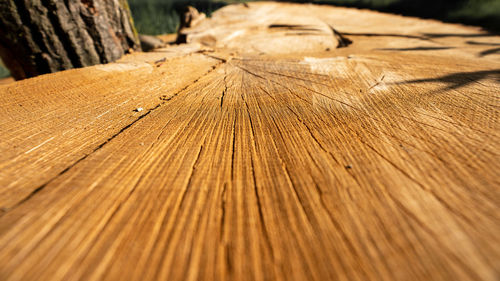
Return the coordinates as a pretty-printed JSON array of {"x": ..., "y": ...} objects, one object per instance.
[
  {"x": 282, "y": 142},
  {"x": 44, "y": 36}
]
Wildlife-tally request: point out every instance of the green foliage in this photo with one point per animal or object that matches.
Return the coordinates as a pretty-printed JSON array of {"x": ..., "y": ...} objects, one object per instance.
[
  {"x": 4, "y": 72},
  {"x": 160, "y": 16},
  {"x": 154, "y": 16},
  {"x": 485, "y": 13}
]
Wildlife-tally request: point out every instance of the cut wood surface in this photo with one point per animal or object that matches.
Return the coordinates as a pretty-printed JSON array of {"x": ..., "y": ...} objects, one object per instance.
[{"x": 281, "y": 142}]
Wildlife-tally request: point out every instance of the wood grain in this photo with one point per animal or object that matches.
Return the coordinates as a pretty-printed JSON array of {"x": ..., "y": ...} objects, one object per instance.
[{"x": 263, "y": 152}]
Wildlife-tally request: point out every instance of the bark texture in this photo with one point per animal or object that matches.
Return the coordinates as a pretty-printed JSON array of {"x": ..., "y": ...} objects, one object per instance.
[{"x": 44, "y": 36}]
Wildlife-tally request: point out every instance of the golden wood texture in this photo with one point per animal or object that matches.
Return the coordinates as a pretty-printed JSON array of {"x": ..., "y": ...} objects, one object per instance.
[{"x": 261, "y": 151}]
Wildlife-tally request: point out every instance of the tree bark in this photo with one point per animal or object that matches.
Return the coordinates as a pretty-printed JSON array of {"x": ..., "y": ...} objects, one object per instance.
[{"x": 44, "y": 36}]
